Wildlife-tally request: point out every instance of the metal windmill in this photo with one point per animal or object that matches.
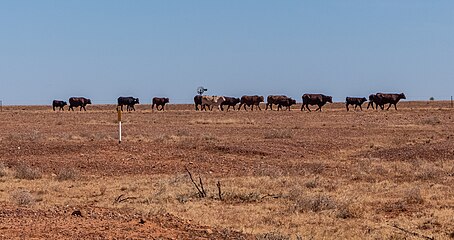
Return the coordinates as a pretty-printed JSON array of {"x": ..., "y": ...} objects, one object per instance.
[{"x": 201, "y": 90}]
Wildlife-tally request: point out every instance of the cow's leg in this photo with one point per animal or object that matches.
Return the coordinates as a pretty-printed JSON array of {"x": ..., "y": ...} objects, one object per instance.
[
  {"x": 53, "y": 107},
  {"x": 258, "y": 105},
  {"x": 302, "y": 106},
  {"x": 388, "y": 106},
  {"x": 133, "y": 108},
  {"x": 307, "y": 106},
  {"x": 346, "y": 105},
  {"x": 360, "y": 107},
  {"x": 395, "y": 106}
]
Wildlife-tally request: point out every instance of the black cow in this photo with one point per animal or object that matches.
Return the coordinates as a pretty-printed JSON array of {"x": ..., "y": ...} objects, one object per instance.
[
  {"x": 315, "y": 99},
  {"x": 230, "y": 102},
  {"x": 285, "y": 102},
  {"x": 251, "y": 101},
  {"x": 78, "y": 102},
  {"x": 197, "y": 102},
  {"x": 389, "y": 98},
  {"x": 128, "y": 101},
  {"x": 159, "y": 102},
  {"x": 373, "y": 100},
  {"x": 355, "y": 101},
  {"x": 59, "y": 104}
]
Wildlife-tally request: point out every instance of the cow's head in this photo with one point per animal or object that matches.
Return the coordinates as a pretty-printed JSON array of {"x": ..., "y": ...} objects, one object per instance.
[
  {"x": 236, "y": 100},
  {"x": 88, "y": 101},
  {"x": 292, "y": 101},
  {"x": 328, "y": 99},
  {"x": 64, "y": 103},
  {"x": 402, "y": 96},
  {"x": 364, "y": 99},
  {"x": 261, "y": 99},
  {"x": 166, "y": 100},
  {"x": 136, "y": 100},
  {"x": 371, "y": 97}
]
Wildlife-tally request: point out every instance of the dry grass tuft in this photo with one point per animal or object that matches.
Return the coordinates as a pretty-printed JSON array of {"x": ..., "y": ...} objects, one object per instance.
[
  {"x": 22, "y": 197},
  {"x": 3, "y": 170},
  {"x": 431, "y": 121},
  {"x": 67, "y": 173},
  {"x": 23, "y": 171},
  {"x": 413, "y": 196},
  {"x": 347, "y": 210},
  {"x": 314, "y": 203},
  {"x": 278, "y": 134},
  {"x": 272, "y": 236},
  {"x": 226, "y": 121}
]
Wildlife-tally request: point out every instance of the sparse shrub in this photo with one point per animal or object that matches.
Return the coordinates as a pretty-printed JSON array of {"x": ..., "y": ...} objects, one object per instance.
[
  {"x": 315, "y": 203},
  {"x": 413, "y": 196},
  {"x": 346, "y": 210},
  {"x": 102, "y": 190},
  {"x": 208, "y": 137},
  {"x": 243, "y": 197},
  {"x": 315, "y": 168},
  {"x": 399, "y": 206},
  {"x": 428, "y": 173},
  {"x": 2, "y": 170},
  {"x": 182, "y": 133},
  {"x": 26, "y": 172},
  {"x": 67, "y": 173},
  {"x": 22, "y": 197},
  {"x": 272, "y": 236},
  {"x": 278, "y": 134},
  {"x": 311, "y": 183},
  {"x": 431, "y": 120}
]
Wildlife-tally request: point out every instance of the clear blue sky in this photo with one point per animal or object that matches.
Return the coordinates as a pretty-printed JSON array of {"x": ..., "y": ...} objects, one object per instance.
[{"x": 144, "y": 48}]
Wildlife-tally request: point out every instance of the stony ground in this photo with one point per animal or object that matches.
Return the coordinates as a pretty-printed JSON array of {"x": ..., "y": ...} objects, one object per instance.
[{"x": 287, "y": 174}]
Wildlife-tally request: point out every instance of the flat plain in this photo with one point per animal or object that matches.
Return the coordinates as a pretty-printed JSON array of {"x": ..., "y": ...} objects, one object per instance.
[{"x": 266, "y": 174}]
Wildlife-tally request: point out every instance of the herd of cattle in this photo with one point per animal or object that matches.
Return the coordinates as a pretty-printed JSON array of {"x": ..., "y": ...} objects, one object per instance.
[{"x": 204, "y": 102}]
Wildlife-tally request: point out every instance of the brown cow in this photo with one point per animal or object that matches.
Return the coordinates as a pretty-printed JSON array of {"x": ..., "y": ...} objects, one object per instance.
[
  {"x": 315, "y": 99},
  {"x": 274, "y": 99},
  {"x": 389, "y": 98},
  {"x": 355, "y": 101},
  {"x": 78, "y": 102},
  {"x": 288, "y": 102},
  {"x": 159, "y": 102},
  {"x": 251, "y": 101}
]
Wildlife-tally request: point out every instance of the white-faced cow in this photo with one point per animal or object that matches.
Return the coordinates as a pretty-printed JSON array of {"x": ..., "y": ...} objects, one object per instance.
[
  {"x": 78, "y": 102},
  {"x": 212, "y": 101},
  {"x": 315, "y": 99}
]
